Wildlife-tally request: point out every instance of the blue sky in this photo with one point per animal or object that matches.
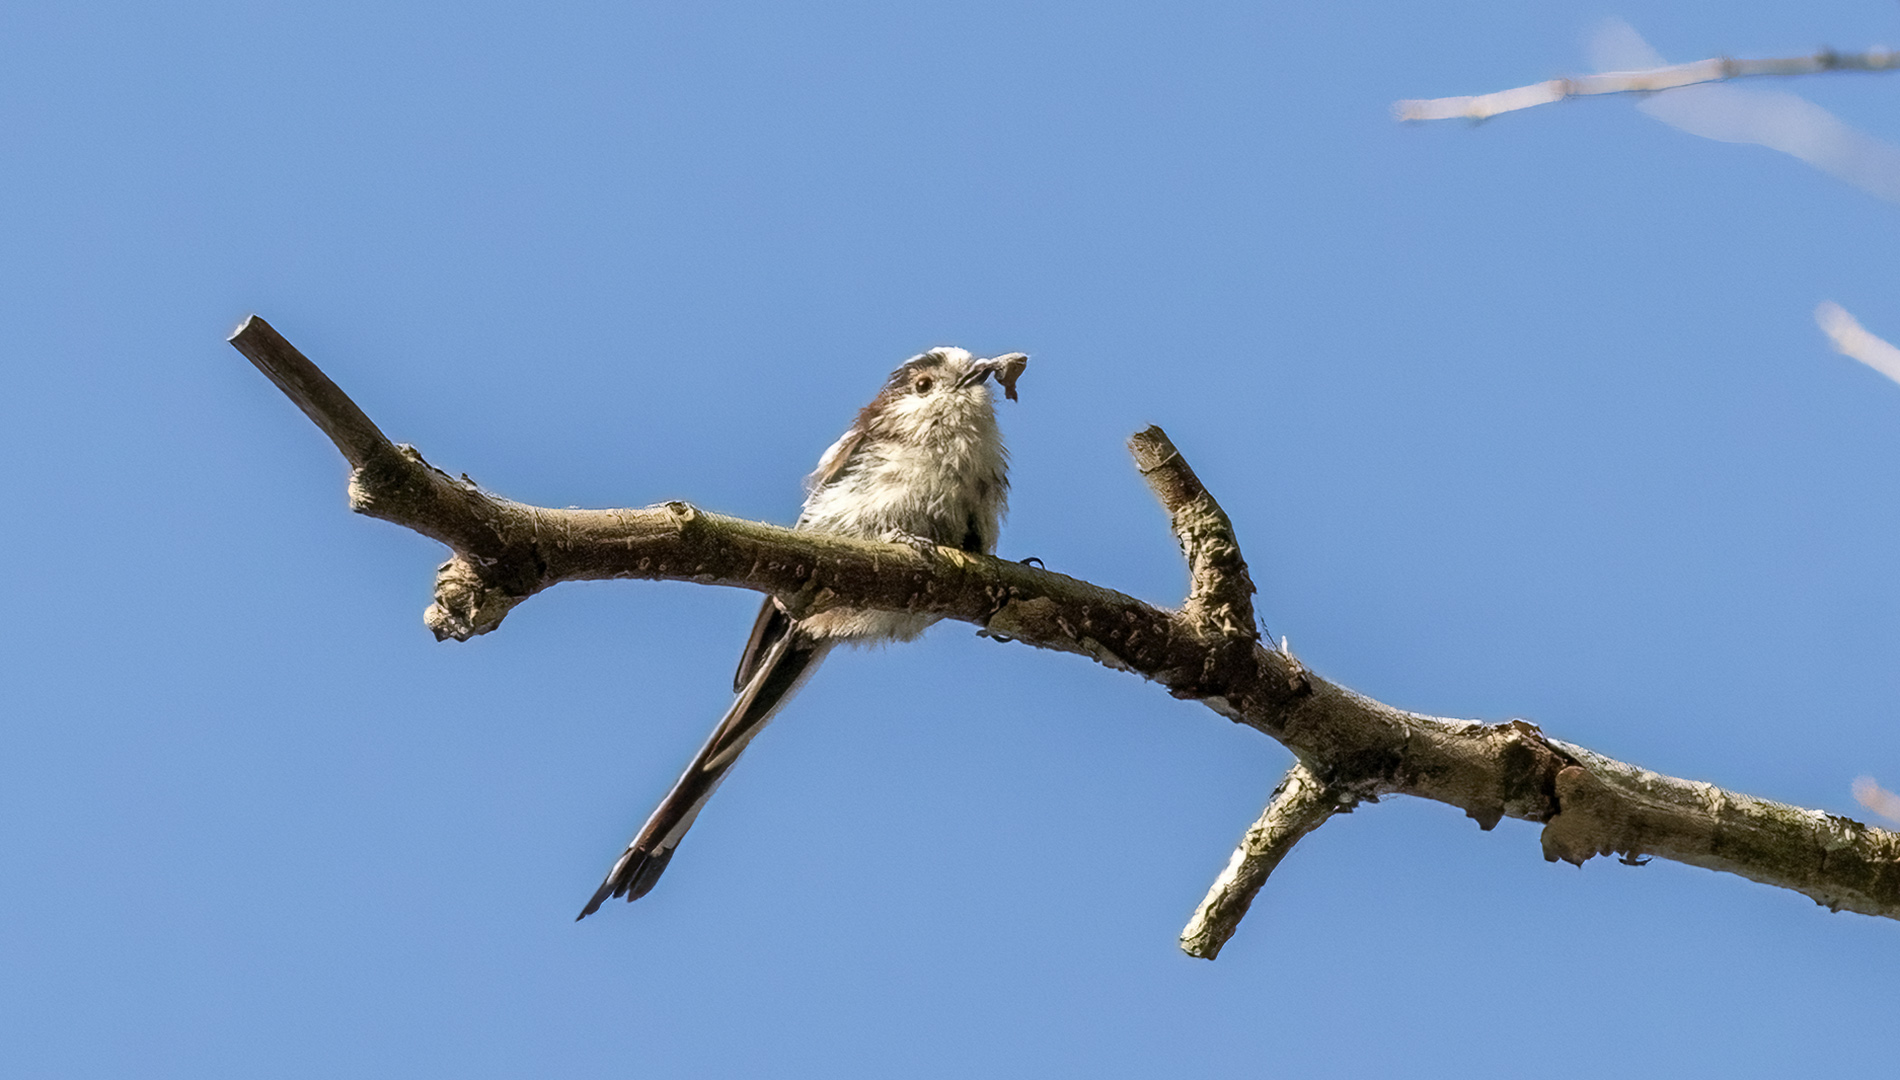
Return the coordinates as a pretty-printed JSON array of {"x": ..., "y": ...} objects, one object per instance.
[{"x": 1524, "y": 419}]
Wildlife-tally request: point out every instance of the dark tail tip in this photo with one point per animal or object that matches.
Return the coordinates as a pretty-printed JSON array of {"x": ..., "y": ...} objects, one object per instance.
[{"x": 633, "y": 876}]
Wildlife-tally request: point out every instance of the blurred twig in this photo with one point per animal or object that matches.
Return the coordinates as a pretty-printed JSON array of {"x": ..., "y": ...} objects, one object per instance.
[
  {"x": 1669, "y": 77},
  {"x": 1850, "y": 338},
  {"x": 1876, "y": 798}
]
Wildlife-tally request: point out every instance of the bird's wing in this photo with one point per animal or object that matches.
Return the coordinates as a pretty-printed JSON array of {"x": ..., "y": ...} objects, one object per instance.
[
  {"x": 837, "y": 456},
  {"x": 773, "y": 622},
  {"x": 779, "y": 672}
]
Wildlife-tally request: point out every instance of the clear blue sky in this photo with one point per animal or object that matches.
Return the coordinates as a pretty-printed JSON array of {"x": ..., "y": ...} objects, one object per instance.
[{"x": 1526, "y": 419}]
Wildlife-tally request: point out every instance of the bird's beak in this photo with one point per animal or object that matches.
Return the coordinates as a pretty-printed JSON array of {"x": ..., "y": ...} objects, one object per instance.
[{"x": 1007, "y": 368}]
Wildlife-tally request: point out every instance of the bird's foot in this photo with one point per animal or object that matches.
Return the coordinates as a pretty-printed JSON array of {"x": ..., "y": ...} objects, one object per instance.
[{"x": 922, "y": 545}]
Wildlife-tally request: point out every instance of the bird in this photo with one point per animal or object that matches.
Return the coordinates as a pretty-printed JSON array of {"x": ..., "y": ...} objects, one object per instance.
[{"x": 923, "y": 464}]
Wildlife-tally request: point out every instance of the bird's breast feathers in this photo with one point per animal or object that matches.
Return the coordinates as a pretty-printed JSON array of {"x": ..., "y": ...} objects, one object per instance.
[{"x": 933, "y": 474}]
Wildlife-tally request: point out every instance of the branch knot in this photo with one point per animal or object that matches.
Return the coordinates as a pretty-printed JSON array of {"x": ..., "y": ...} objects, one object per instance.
[{"x": 466, "y": 603}]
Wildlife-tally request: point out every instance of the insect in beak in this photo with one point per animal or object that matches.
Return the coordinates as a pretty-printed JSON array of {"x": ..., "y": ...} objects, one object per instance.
[{"x": 1007, "y": 369}]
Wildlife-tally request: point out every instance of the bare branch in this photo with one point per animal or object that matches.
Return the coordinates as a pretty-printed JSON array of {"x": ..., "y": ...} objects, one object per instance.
[
  {"x": 1608, "y": 807},
  {"x": 1718, "y": 69},
  {"x": 1299, "y": 805},
  {"x": 312, "y": 391},
  {"x": 1220, "y": 591},
  {"x": 505, "y": 552}
]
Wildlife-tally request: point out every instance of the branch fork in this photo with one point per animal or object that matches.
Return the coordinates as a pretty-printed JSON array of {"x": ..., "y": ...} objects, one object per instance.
[{"x": 1348, "y": 748}]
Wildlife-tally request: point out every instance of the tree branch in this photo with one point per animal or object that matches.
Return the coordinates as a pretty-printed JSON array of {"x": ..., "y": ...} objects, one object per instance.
[
  {"x": 1220, "y": 591},
  {"x": 1360, "y": 749},
  {"x": 361, "y": 441},
  {"x": 1299, "y": 805},
  {"x": 1718, "y": 69}
]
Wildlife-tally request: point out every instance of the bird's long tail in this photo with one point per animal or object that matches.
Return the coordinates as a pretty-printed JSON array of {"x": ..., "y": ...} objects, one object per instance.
[{"x": 779, "y": 673}]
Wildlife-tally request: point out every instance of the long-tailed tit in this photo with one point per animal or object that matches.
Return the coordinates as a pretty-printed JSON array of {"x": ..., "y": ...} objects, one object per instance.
[{"x": 923, "y": 463}]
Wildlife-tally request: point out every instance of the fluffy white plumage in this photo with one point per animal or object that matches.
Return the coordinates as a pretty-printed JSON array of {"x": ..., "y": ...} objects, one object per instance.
[
  {"x": 924, "y": 463},
  {"x": 926, "y": 460}
]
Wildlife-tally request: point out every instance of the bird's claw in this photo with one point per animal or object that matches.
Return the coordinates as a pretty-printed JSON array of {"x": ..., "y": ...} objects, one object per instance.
[{"x": 922, "y": 545}]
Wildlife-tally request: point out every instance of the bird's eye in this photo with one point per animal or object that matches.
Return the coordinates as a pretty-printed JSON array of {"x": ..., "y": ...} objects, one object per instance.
[{"x": 923, "y": 384}]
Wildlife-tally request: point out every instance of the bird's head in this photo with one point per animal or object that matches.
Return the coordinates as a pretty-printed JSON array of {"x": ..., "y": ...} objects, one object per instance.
[{"x": 941, "y": 389}]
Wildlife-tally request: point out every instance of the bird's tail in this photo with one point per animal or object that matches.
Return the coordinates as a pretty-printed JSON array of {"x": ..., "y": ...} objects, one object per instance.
[{"x": 779, "y": 673}]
